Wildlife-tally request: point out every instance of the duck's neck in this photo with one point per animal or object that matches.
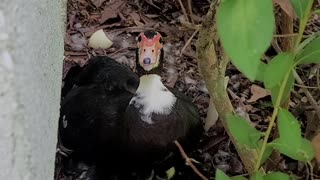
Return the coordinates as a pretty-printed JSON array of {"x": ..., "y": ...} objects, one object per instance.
[
  {"x": 150, "y": 83},
  {"x": 153, "y": 97}
]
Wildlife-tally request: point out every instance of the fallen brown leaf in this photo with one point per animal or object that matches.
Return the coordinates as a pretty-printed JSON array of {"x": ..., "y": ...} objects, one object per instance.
[
  {"x": 257, "y": 93},
  {"x": 79, "y": 60},
  {"x": 98, "y": 3},
  {"x": 147, "y": 20},
  {"x": 135, "y": 16},
  {"x": 111, "y": 11},
  {"x": 286, "y": 6},
  {"x": 313, "y": 123},
  {"x": 316, "y": 147},
  {"x": 212, "y": 116}
]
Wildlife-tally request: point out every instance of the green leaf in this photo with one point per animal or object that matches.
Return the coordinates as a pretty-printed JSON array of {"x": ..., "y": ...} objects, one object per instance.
[
  {"x": 276, "y": 176},
  {"x": 260, "y": 73},
  {"x": 304, "y": 43},
  {"x": 311, "y": 53},
  {"x": 300, "y": 7},
  {"x": 289, "y": 129},
  {"x": 238, "y": 178},
  {"x": 277, "y": 69},
  {"x": 243, "y": 132},
  {"x": 256, "y": 176},
  {"x": 220, "y": 175},
  {"x": 287, "y": 90},
  {"x": 303, "y": 153},
  {"x": 246, "y": 31}
]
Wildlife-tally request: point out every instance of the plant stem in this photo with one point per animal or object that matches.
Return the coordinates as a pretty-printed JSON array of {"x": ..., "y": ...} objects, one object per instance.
[
  {"x": 303, "y": 23},
  {"x": 213, "y": 69},
  {"x": 273, "y": 118},
  {"x": 302, "y": 26}
]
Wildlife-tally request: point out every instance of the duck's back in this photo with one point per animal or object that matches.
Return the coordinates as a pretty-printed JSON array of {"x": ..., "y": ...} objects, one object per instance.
[
  {"x": 101, "y": 70},
  {"x": 90, "y": 112}
]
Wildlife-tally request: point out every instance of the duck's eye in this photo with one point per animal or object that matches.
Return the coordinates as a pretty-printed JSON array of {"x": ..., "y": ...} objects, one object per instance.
[
  {"x": 139, "y": 39},
  {"x": 144, "y": 50},
  {"x": 152, "y": 50}
]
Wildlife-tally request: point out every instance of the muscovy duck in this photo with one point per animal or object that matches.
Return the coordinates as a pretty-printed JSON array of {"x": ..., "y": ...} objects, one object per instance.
[
  {"x": 90, "y": 121},
  {"x": 118, "y": 132},
  {"x": 157, "y": 115}
]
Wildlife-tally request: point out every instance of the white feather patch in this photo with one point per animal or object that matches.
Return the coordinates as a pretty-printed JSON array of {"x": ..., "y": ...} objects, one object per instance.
[{"x": 152, "y": 97}]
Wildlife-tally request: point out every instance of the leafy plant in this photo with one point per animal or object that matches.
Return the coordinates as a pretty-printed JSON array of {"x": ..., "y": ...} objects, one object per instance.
[{"x": 246, "y": 30}]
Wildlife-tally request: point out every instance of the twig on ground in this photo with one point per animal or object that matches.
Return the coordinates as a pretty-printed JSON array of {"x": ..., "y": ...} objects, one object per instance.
[
  {"x": 310, "y": 174},
  {"x": 308, "y": 87},
  {"x": 307, "y": 93},
  {"x": 190, "y": 10},
  {"x": 276, "y": 46},
  {"x": 189, "y": 41},
  {"x": 188, "y": 161},
  {"x": 115, "y": 52},
  {"x": 318, "y": 79},
  {"x": 188, "y": 25},
  {"x": 184, "y": 11},
  {"x": 291, "y": 35},
  {"x": 232, "y": 94},
  {"x": 152, "y": 4},
  {"x": 285, "y": 35}
]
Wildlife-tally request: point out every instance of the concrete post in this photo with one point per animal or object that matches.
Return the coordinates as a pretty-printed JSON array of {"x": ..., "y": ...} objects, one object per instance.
[{"x": 31, "y": 56}]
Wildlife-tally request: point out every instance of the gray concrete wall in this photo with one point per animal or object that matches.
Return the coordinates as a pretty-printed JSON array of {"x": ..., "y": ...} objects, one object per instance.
[{"x": 31, "y": 56}]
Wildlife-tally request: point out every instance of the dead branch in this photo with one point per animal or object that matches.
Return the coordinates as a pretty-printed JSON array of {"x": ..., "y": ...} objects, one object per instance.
[
  {"x": 189, "y": 41},
  {"x": 188, "y": 161},
  {"x": 184, "y": 10},
  {"x": 308, "y": 94},
  {"x": 190, "y": 10},
  {"x": 213, "y": 70}
]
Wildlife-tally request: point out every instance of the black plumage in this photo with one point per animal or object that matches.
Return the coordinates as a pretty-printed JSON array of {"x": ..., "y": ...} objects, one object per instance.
[
  {"x": 152, "y": 145},
  {"x": 90, "y": 116},
  {"x": 103, "y": 121},
  {"x": 101, "y": 70},
  {"x": 151, "y": 141}
]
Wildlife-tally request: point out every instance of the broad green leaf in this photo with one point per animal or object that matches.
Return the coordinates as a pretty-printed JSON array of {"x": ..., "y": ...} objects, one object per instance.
[
  {"x": 260, "y": 73},
  {"x": 246, "y": 31},
  {"x": 300, "y": 7},
  {"x": 239, "y": 178},
  {"x": 257, "y": 176},
  {"x": 220, "y": 175},
  {"x": 277, "y": 69},
  {"x": 287, "y": 90},
  {"x": 276, "y": 176},
  {"x": 303, "y": 153},
  {"x": 289, "y": 129},
  {"x": 243, "y": 132},
  {"x": 311, "y": 53}
]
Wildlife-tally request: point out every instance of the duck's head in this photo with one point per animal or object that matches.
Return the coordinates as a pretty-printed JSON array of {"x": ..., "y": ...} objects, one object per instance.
[{"x": 149, "y": 52}]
